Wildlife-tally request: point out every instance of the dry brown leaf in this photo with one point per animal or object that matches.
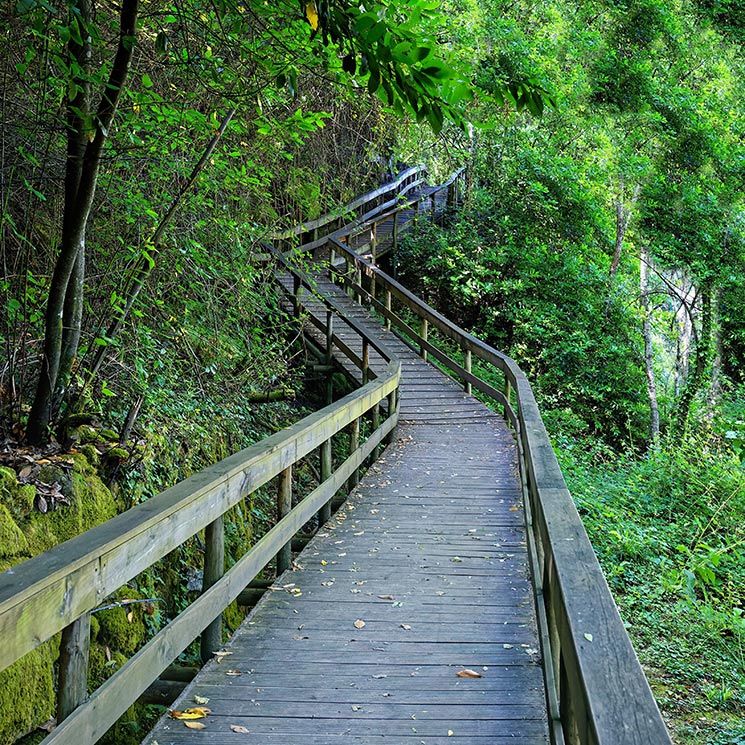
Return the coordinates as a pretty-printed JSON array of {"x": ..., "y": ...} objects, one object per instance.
[
  {"x": 195, "y": 725},
  {"x": 197, "y": 712},
  {"x": 359, "y": 624},
  {"x": 234, "y": 673},
  {"x": 386, "y": 597},
  {"x": 239, "y": 729},
  {"x": 468, "y": 674},
  {"x": 201, "y": 700},
  {"x": 130, "y": 616}
]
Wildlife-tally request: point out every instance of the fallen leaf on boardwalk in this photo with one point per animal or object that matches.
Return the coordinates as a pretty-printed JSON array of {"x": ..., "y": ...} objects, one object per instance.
[
  {"x": 507, "y": 646},
  {"x": 362, "y": 532},
  {"x": 198, "y": 712},
  {"x": 239, "y": 729},
  {"x": 450, "y": 733},
  {"x": 406, "y": 627},
  {"x": 356, "y": 708},
  {"x": 456, "y": 558},
  {"x": 514, "y": 509},
  {"x": 323, "y": 562},
  {"x": 379, "y": 676},
  {"x": 468, "y": 674},
  {"x": 588, "y": 637},
  {"x": 234, "y": 673},
  {"x": 221, "y": 653},
  {"x": 195, "y": 725},
  {"x": 386, "y": 597},
  {"x": 201, "y": 700},
  {"x": 359, "y": 624}
]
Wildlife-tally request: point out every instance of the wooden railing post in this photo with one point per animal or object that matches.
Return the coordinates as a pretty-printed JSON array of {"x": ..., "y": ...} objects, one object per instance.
[
  {"x": 297, "y": 289},
  {"x": 354, "y": 443},
  {"x": 467, "y": 365},
  {"x": 374, "y": 254},
  {"x": 214, "y": 568},
  {"x": 72, "y": 689},
  {"x": 329, "y": 356},
  {"x": 284, "y": 505},
  {"x": 388, "y": 308},
  {"x": 507, "y": 394},
  {"x": 392, "y": 399},
  {"x": 358, "y": 282},
  {"x": 424, "y": 334},
  {"x": 365, "y": 361},
  {"x": 324, "y": 514},
  {"x": 395, "y": 232}
]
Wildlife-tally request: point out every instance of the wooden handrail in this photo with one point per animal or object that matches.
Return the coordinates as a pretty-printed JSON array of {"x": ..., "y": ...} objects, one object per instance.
[
  {"x": 401, "y": 184},
  {"x": 597, "y": 691},
  {"x": 55, "y": 591}
]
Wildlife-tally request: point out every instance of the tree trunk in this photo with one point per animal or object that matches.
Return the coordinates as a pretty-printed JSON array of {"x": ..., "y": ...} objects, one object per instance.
[
  {"x": 696, "y": 377},
  {"x": 715, "y": 387},
  {"x": 623, "y": 217},
  {"x": 654, "y": 410},
  {"x": 86, "y": 138}
]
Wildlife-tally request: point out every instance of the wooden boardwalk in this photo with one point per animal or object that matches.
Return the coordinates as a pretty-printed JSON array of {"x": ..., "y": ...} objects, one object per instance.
[{"x": 421, "y": 575}]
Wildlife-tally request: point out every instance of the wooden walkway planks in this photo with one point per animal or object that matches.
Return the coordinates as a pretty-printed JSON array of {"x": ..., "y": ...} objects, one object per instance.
[{"x": 430, "y": 553}]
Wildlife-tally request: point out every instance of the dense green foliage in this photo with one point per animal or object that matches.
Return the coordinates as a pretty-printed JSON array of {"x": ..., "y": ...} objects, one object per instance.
[{"x": 603, "y": 247}]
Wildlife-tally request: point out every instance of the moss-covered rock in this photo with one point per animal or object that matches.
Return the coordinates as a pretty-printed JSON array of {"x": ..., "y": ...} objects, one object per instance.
[
  {"x": 91, "y": 455},
  {"x": 12, "y": 540},
  {"x": 91, "y": 504},
  {"x": 27, "y": 696},
  {"x": 122, "y": 629}
]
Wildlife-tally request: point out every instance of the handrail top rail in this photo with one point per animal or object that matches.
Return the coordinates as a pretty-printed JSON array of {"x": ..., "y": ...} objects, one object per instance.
[
  {"x": 319, "y": 222},
  {"x": 469, "y": 341}
]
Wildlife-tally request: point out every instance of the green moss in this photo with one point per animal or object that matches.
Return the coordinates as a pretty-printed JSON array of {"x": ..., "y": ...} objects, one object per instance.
[
  {"x": 118, "y": 455},
  {"x": 83, "y": 434},
  {"x": 233, "y": 616},
  {"x": 27, "y": 696},
  {"x": 91, "y": 503},
  {"x": 12, "y": 540},
  {"x": 122, "y": 629},
  {"x": 91, "y": 455},
  {"x": 108, "y": 434}
]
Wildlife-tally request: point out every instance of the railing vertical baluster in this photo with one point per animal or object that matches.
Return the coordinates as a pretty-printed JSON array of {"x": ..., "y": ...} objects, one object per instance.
[
  {"x": 324, "y": 514},
  {"x": 392, "y": 403},
  {"x": 374, "y": 254},
  {"x": 433, "y": 197},
  {"x": 284, "y": 505},
  {"x": 73, "y": 666},
  {"x": 214, "y": 568},
  {"x": 297, "y": 289},
  {"x": 395, "y": 233},
  {"x": 424, "y": 334},
  {"x": 467, "y": 365},
  {"x": 375, "y": 425},
  {"x": 329, "y": 356},
  {"x": 388, "y": 308},
  {"x": 365, "y": 361},
  {"x": 507, "y": 394},
  {"x": 354, "y": 443},
  {"x": 358, "y": 281}
]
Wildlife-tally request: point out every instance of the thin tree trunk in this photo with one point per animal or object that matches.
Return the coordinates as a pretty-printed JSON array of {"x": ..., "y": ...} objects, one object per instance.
[
  {"x": 715, "y": 388},
  {"x": 695, "y": 378},
  {"x": 80, "y": 187},
  {"x": 623, "y": 217},
  {"x": 654, "y": 410},
  {"x": 146, "y": 263}
]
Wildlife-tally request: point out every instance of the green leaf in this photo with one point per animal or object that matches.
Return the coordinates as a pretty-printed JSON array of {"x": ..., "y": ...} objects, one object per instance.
[{"x": 147, "y": 81}]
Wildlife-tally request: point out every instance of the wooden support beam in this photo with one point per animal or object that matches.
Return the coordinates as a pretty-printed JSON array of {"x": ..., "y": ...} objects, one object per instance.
[
  {"x": 72, "y": 687},
  {"x": 467, "y": 365},
  {"x": 214, "y": 569},
  {"x": 284, "y": 505},
  {"x": 326, "y": 468},
  {"x": 424, "y": 333}
]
